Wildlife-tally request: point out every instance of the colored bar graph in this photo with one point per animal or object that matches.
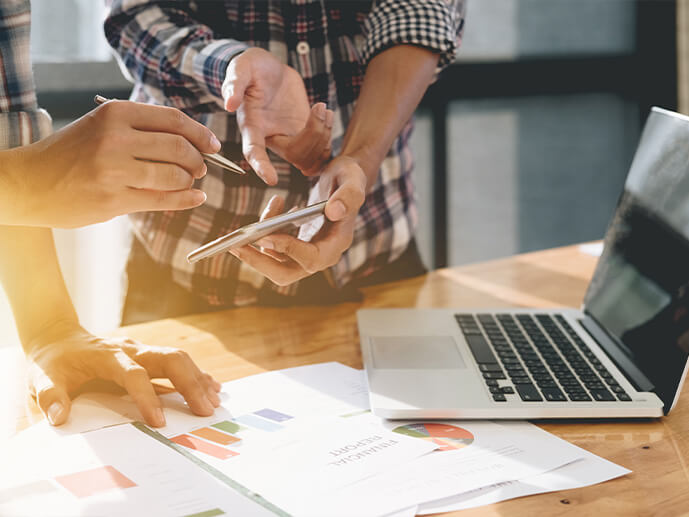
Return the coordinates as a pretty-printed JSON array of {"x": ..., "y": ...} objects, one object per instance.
[
  {"x": 90, "y": 482},
  {"x": 229, "y": 427},
  {"x": 271, "y": 414},
  {"x": 215, "y": 436},
  {"x": 259, "y": 423},
  {"x": 191, "y": 442},
  {"x": 355, "y": 413}
]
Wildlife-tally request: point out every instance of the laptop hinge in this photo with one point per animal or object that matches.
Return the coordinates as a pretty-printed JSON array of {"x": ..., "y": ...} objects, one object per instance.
[{"x": 616, "y": 354}]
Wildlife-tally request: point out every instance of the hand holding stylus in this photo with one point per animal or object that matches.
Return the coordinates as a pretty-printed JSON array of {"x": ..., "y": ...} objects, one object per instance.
[
  {"x": 120, "y": 158},
  {"x": 214, "y": 158}
]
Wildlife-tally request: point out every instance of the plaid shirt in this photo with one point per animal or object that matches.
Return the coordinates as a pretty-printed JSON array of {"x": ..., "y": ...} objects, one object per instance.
[
  {"x": 21, "y": 121},
  {"x": 178, "y": 52}
]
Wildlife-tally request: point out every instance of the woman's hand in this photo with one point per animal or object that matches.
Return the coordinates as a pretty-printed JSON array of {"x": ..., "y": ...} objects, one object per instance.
[
  {"x": 58, "y": 368},
  {"x": 122, "y": 157}
]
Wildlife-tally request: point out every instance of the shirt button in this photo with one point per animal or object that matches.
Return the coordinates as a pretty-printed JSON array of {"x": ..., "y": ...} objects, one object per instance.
[{"x": 303, "y": 48}]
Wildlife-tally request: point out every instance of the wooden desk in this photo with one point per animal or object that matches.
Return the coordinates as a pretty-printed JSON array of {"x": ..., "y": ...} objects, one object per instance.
[{"x": 240, "y": 342}]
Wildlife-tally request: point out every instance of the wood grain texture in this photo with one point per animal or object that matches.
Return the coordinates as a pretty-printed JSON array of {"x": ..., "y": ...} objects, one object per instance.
[{"x": 239, "y": 342}]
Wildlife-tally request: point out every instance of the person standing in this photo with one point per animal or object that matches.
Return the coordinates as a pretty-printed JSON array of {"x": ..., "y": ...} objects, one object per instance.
[{"x": 249, "y": 71}]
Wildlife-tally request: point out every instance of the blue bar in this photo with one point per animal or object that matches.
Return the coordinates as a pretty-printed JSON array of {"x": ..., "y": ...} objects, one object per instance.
[
  {"x": 259, "y": 423},
  {"x": 273, "y": 415}
]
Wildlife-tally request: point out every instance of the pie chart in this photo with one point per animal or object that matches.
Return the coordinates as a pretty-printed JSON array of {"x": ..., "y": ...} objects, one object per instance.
[{"x": 448, "y": 437}]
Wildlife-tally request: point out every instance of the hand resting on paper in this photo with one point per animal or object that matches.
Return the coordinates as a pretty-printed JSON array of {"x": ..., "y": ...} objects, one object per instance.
[{"x": 59, "y": 367}]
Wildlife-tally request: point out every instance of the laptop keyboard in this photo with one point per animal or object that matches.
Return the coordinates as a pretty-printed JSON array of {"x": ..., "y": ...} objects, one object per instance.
[{"x": 538, "y": 357}]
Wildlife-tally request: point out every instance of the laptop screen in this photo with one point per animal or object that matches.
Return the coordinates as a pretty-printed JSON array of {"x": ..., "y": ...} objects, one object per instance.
[{"x": 640, "y": 290}]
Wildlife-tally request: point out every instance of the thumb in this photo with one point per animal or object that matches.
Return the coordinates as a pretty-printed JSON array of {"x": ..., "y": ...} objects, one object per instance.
[
  {"x": 52, "y": 399},
  {"x": 236, "y": 82},
  {"x": 350, "y": 193}
]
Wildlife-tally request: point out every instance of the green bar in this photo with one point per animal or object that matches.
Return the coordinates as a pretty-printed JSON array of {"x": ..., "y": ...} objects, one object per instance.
[
  {"x": 207, "y": 513},
  {"x": 228, "y": 427},
  {"x": 28, "y": 490},
  {"x": 356, "y": 413}
]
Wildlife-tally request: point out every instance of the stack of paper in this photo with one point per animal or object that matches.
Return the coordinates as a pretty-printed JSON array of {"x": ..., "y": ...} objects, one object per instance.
[{"x": 302, "y": 442}]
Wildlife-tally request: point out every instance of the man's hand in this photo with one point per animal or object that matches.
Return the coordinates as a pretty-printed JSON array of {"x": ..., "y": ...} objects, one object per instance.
[
  {"x": 57, "y": 369},
  {"x": 120, "y": 158},
  {"x": 273, "y": 110},
  {"x": 285, "y": 259}
]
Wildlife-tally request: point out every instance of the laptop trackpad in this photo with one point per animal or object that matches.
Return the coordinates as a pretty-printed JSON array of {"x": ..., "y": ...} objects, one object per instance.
[{"x": 415, "y": 352}]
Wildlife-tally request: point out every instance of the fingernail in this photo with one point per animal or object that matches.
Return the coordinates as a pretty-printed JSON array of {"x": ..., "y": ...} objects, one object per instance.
[
  {"x": 329, "y": 118},
  {"x": 208, "y": 406},
  {"x": 213, "y": 396},
  {"x": 320, "y": 111},
  {"x": 267, "y": 244},
  {"x": 159, "y": 417},
  {"x": 199, "y": 197},
  {"x": 337, "y": 210},
  {"x": 215, "y": 143},
  {"x": 55, "y": 412},
  {"x": 204, "y": 170}
]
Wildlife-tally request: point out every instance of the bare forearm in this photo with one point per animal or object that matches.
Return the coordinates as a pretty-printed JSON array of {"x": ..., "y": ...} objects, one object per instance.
[
  {"x": 394, "y": 84},
  {"x": 12, "y": 188},
  {"x": 32, "y": 279}
]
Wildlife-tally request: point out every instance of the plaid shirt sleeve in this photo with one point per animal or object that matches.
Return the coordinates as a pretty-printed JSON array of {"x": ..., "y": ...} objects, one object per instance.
[
  {"x": 21, "y": 121},
  {"x": 433, "y": 24},
  {"x": 171, "y": 55}
]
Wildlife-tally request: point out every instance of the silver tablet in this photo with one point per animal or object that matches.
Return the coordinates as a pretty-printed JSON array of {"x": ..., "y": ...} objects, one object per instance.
[{"x": 253, "y": 232}]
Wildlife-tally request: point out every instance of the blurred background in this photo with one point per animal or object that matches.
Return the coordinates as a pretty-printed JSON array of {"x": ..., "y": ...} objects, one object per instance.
[{"x": 523, "y": 144}]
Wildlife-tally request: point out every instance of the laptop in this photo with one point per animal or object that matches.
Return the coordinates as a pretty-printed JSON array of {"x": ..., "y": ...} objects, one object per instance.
[{"x": 624, "y": 354}]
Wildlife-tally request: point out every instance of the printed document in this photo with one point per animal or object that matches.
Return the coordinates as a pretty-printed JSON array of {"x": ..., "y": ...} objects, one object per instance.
[{"x": 111, "y": 472}]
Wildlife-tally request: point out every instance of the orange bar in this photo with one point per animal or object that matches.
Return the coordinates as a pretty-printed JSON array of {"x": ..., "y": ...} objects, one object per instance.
[
  {"x": 216, "y": 436},
  {"x": 191, "y": 442},
  {"x": 94, "y": 481}
]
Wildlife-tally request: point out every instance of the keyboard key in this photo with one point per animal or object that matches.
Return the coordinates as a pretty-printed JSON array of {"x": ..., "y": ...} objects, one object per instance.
[
  {"x": 624, "y": 397},
  {"x": 528, "y": 393},
  {"x": 494, "y": 375},
  {"x": 508, "y": 389},
  {"x": 491, "y": 382},
  {"x": 582, "y": 397},
  {"x": 480, "y": 348},
  {"x": 602, "y": 395},
  {"x": 594, "y": 385},
  {"x": 554, "y": 395},
  {"x": 495, "y": 389},
  {"x": 490, "y": 367},
  {"x": 499, "y": 397}
]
